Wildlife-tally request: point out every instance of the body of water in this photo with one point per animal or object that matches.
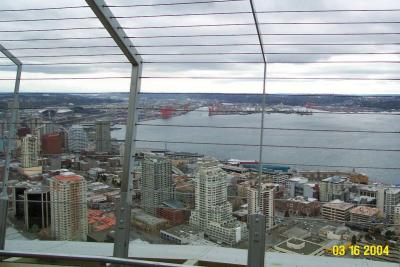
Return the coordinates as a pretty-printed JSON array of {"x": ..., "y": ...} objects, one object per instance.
[{"x": 292, "y": 155}]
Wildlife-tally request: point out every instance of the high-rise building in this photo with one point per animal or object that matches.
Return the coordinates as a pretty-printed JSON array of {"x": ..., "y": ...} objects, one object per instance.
[
  {"x": 213, "y": 212},
  {"x": 30, "y": 151},
  {"x": 68, "y": 207},
  {"x": 335, "y": 187},
  {"x": 267, "y": 202},
  {"x": 52, "y": 144},
  {"x": 392, "y": 198},
  {"x": 156, "y": 183},
  {"x": 77, "y": 138},
  {"x": 103, "y": 136}
]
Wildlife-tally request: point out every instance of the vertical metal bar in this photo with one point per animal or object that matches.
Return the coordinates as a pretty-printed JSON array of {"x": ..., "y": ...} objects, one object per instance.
[
  {"x": 256, "y": 252},
  {"x": 260, "y": 156},
  {"x": 9, "y": 146},
  {"x": 107, "y": 18},
  {"x": 121, "y": 245}
]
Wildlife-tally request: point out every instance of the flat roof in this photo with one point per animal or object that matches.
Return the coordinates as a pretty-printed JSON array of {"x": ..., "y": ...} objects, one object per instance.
[
  {"x": 363, "y": 210},
  {"x": 68, "y": 178},
  {"x": 338, "y": 204}
]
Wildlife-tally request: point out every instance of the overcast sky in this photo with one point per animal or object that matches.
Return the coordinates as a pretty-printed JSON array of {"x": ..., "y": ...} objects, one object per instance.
[{"x": 365, "y": 70}]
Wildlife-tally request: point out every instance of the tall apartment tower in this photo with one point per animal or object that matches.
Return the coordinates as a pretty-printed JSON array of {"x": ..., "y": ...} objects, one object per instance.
[
  {"x": 77, "y": 138},
  {"x": 103, "y": 136},
  {"x": 68, "y": 207},
  {"x": 156, "y": 183},
  {"x": 30, "y": 151},
  {"x": 213, "y": 212},
  {"x": 266, "y": 206},
  {"x": 392, "y": 198}
]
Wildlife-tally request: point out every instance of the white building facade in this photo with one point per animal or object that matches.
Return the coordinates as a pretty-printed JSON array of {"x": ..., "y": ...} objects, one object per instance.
[
  {"x": 69, "y": 216},
  {"x": 213, "y": 212}
]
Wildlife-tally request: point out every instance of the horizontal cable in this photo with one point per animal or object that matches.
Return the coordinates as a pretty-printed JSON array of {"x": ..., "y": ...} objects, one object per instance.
[
  {"x": 42, "y": 8},
  {"x": 269, "y": 53},
  {"x": 261, "y": 23},
  {"x": 53, "y": 29},
  {"x": 254, "y": 34},
  {"x": 205, "y": 45},
  {"x": 67, "y": 63},
  {"x": 56, "y": 39},
  {"x": 47, "y": 19},
  {"x": 207, "y": 14},
  {"x": 269, "y": 128},
  {"x": 205, "y": 78},
  {"x": 273, "y": 62},
  {"x": 270, "y": 78},
  {"x": 204, "y": 25},
  {"x": 212, "y": 53},
  {"x": 202, "y": 35},
  {"x": 71, "y": 55},
  {"x": 62, "y": 47},
  {"x": 269, "y": 145},
  {"x": 175, "y": 3},
  {"x": 137, "y": 5},
  {"x": 259, "y": 12},
  {"x": 201, "y": 62},
  {"x": 266, "y": 163}
]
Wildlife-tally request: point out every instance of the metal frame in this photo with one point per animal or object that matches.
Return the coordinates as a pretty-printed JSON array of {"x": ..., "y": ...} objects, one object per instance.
[
  {"x": 256, "y": 251},
  {"x": 9, "y": 146},
  {"x": 110, "y": 23}
]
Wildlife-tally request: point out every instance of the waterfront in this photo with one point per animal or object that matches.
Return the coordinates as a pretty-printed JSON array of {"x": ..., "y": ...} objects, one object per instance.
[{"x": 329, "y": 121}]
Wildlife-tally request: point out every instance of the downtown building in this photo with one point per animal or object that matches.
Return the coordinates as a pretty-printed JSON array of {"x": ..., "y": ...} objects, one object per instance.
[
  {"x": 69, "y": 215},
  {"x": 266, "y": 206},
  {"x": 336, "y": 210},
  {"x": 103, "y": 136},
  {"x": 213, "y": 212},
  {"x": 156, "y": 183},
  {"x": 77, "y": 138},
  {"x": 335, "y": 187},
  {"x": 392, "y": 198},
  {"x": 30, "y": 151}
]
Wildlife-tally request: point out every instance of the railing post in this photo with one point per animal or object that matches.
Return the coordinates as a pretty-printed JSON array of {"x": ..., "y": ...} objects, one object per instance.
[
  {"x": 256, "y": 252},
  {"x": 123, "y": 212},
  {"x": 9, "y": 146}
]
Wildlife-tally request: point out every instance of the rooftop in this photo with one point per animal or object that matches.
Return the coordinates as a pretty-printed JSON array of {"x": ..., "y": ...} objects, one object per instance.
[
  {"x": 363, "y": 210},
  {"x": 338, "y": 204},
  {"x": 68, "y": 177}
]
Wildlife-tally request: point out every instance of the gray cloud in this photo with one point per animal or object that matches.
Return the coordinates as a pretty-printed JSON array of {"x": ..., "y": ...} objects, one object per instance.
[{"x": 359, "y": 70}]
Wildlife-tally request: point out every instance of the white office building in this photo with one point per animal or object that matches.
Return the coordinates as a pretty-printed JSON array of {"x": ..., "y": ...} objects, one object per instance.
[{"x": 213, "y": 212}]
